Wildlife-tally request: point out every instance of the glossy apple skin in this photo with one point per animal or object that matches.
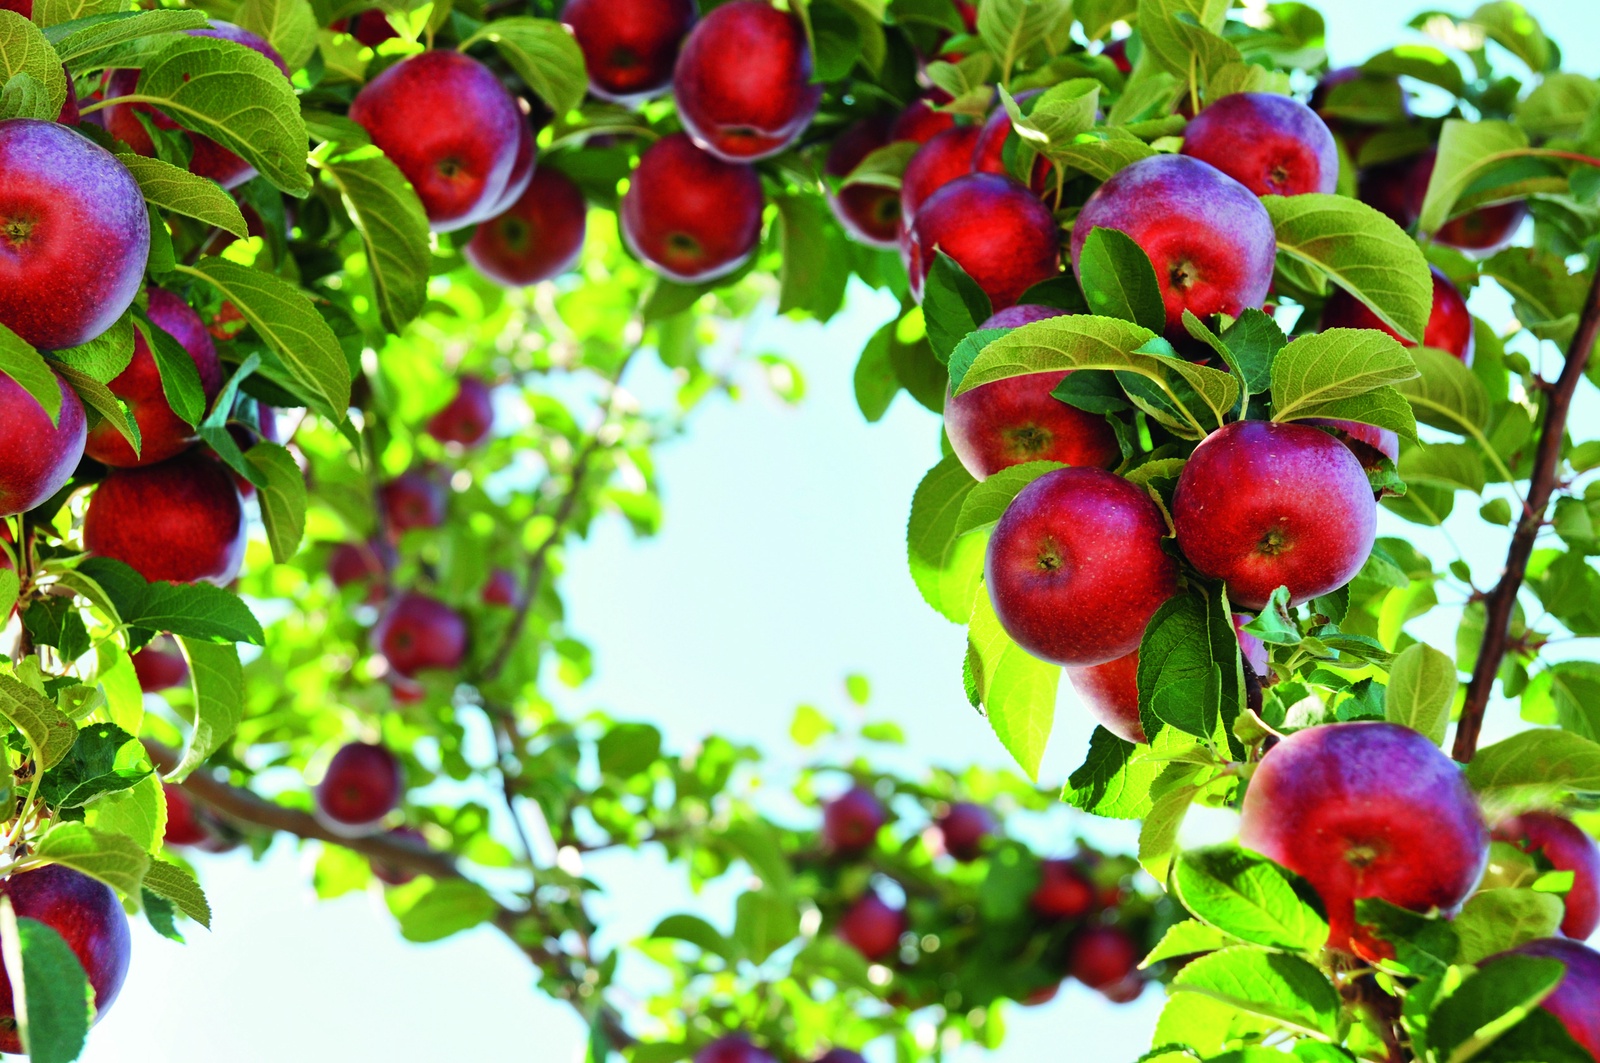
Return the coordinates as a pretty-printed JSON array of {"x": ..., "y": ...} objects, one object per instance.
[
  {"x": 1449, "y": 325},
  {"x": 451, "y": 127},
  {"x": 418, "y": 633},
  {"x": 998, "y": 231},
  {"x": 1015, "y": 420},
  {"x": 37, "y": 458},
  {"x": 966, "y": 829},
  {"x": 414, "y": 499},
  {"x": 732, "y": 1049},
  {"x": 1273, "y": 145},
  {"x": 850, "y": 823},
  {"x": 920, "y": 122},
  {"x": 1110, "y": 692},
  {"x": 160, "y": 669},
  {"x": 162, "y": 433},
  {"x": 988, "y": 152},
  {"x": 74, "y": 235},
  {"x": 1367, "y": 442},
  {"x": 1481, "y": 232},
  {"x": 869, "y": 214},
  {"x": 538, "y": 237},
  {"x": 1064, "y": 891},
  {"x": 1576, "y": 1000},
  {"x": 1102, "y": 956},
  {"x": 522, "y": 170},
  {"x": 88, "y": 917},
  {"x": 743, "y": 81},
  {"x": 1208, "y": 236},
  {"x": 363, "y": 784},
  {"x": 500, "y": 589},
  {"x": 872, "y": 927},
  {"x": 1261, "y": 505},
  {"x": 184, "y": 825},
  {"x": 629, "y": 46},
  {"x": 938, "y": 162},
  {"x": 1075, "y": 567},
  {"x": 1568, "y": 848},
  {"x": 1021, "y": 314},
  {"x": 468, "y": 418},
  {"x": 180, "y": 521},
  {"x": 1367, "y": 809},
  {"x": 690, "y": 215}
]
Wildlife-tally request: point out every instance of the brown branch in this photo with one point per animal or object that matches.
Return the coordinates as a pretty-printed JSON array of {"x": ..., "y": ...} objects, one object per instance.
[{"x": 1502, "y": 599}]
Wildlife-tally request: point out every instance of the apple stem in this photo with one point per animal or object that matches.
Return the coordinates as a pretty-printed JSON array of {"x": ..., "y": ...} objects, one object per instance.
[{"x": 1502, "y": 598}]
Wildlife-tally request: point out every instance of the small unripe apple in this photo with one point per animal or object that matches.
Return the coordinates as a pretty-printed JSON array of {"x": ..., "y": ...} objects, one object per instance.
[
  {"x": 1449, "y": 325},
  {"x": 1271, "y": 144},
  {"x": 1102, "y": 956},
  {"x": 732, "y": 1049},
  {"x": 872, "y": 927},
  {"x": 995, "y": 229},
  {"x": 362, "y": 785},
  {"x": 37, "y": 458},
  {"x": 1567, "y": 847},
  {"x": 689, "y": 214},
  {"x": 537, "y": 237},
  {"x": 629, "y": 46},
  {"x": 468, "y": 418},
  {"x": 417, "y": 633},
  {"x": 966, "y": 830},
  {"x": 181, "y": 521},
  {"x": 850, "y": 823},
  {"x": 160, "y": 668},
  {"x": 414, "y": 499},
  {"x": 1576, "y": 1000},
  {"x": 1064, "y": 891}
]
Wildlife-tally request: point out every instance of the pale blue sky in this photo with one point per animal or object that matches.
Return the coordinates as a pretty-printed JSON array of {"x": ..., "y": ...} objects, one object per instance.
[{"x": 780, "y": 568}]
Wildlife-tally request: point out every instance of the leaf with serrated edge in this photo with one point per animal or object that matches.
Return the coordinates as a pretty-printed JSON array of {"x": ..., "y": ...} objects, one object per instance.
[
  {"x": 24, "y": 49},
  {"x": 78, "y": 42},
  {"x": 1422, "y": 684},
  {"x": 1247, "y": 896},
  {"x": 218, "y": 682},
  {"x": 26, "y": 366},
  {"x": 1017, "y": 689},
  {"x": 544, "y": 54},
  {"x": 99, "y": 398},
  {"x": 1542, "y": 760},
  {"x": 54, "y": 1001},
  {"x": 1186, "y": 939},
  {"x": 933, "y": 551},
  {"x": 114, "y": 859},
  {"x": 41, "y": 721},
  {"x": 1334, "y": 365},
  {"x": 170, "y": 188},
  {"x": 104, "y": 357},
  {"x": 1446, "y": 394},
  {"x": 987, "y": 501},
  {"x": 393, "y": 227},
  {"x": 282, "y": 498},
  {"x": 179, "y": 887},
  {"x": 290, "y": 26}
]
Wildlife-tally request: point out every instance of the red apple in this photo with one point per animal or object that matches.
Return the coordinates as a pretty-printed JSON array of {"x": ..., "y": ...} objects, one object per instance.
[
  {"x": 1110, "y": 692},
  {"x": 451, "y": 127},
  {"x": 362, "y": 785},
  {"x": 689, "y": 214},
  {"x": 1386, "y": 187},
  {"x": 920, "y": 121},
  {"x": 872, "y": 927},
  {"x": 1102, "y": 956},
  {"x": 629, "y": 46},
  {"x": 995, "y": 229},
  {"x": 1075, "y": 567},
  {"x": 1369, "y": 443},
  {"x": 367, "y": 562},
  {"x": 70, "y": 113},
  {"x": 1576, "y": 1000},
  {"x": 1262, "y": 505},
  {"x": 537, "y": 237},
  {"x": 186, "y": 825},
  {"x": 468, "y": 418},
  {"x": 1208, "y": 236},
  {"x": 732, "y": 1049},
  {"x": 966, "y": 829},
  {"x": 74, "y": 235},
  {"x": 371, "y": 27},
  {"x": 743, "y": 81},
  {"x": 1449, "y": 325},
  {"x": 1566, "y": 847},
  {"x": 988, "y": 152},
  {"x": 88, "y": 917},
  {"x": 414, "y": 499},
  {"x": 1253, "y": 650},
  {"x": 1367, "y": 809},
  {"x": 501, "y": 588},
  {"x": 37, "y": 458},
  {"x": 390, "y": 875},
  {"x": 159, "y": 667},
  {"x": 1017, "y": 419},
  {"x": 869, "y": 214},
  {"x": 21, "y": 7},
  {"x": 180, "y": 521},
  {"x": 1064, "y": 892},
  {"x": 1040, "y": 997},
  {"x": 850, "y": 823},
  {"x": 1117, "y": 52},
  {"x": 417, "y": 633},
  {"x": 841, "y": 1055},
  {"x": 1125, "y": 991},
  {"x": 1482, "y": 231},
  {"x": 938, "y": 162},
  {"x": 522, "y": 166},
  {"x": 1273, "y": 145}
]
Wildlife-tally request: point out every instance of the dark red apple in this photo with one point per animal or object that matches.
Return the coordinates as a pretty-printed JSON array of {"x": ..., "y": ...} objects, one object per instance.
[
  {"x": 938, "y": 162},
  {"x": 162, "y": 433},
  {"x": 988, "y": 152},
  {"x": 74, "y": 235},
  {"x": 841, "y": 1055},
  {"x": 451, "y": 127},
  {"x": 869, "y": 214},
  {"x": 1369, "y": 443},
  {"x": 417, "y": 633},
  {"x": 160, "y": 666},
  {"x": 501, "y": 588},
  {"x": 1576, "y": 1000},
  {"x": 629, "y": 46},
  {"x": 1273, "y": 145},
  {"x": 995, "y": 229},
  {"x": 1041, "y": 996},
  {"x": 363, "y": 784},
  {"x": 538, "y": 237},
  {"x": 414, "y": 499},
  {"x": 1262, "y": 505},
  {"x": 1386, "y": 187},
  {"x": 21, "y": 7},
  {"x": 1482, "y": 231},
  {"x": 872, "y": 926},
  {"x": 468, "y": 418},
  {"x": 70, "y": 113},
  {"x": 37, "y": 458},
  {"x": 1064, "y": 892},
  {"x": 391, "y": 875},
  {"x": 1449, "y": 325},
  {"x": 689, "y": 214},
  {"x": 1566, "y": 847},
  {"x": 1110, "y": 692},
  {"x": 1117, "y": 52},
  {"x": 522, "y": 167},
  {"x": 1075, "y": 567},
  {"x": 184, "y": 825},
  {"x": 966, "y": 829},
  {"x": 1102, "y": 956},
  {"x": 88, "y": 917},
  {"x": 743, "y": 81},
  {"x": 1367, "y": 809},
  {"x": 732, "y": 1049},
  {"x": 371, "y": 27},
  {"x": 1208, "y": 236},
  {"x": 1017, "y": 419},
  {"x": 367, "y": 562},
  {"x": 850, "y": 823},
  {"x": 1126, "y": 990},
  {"x": 920, "y": 121},
  {"x": 181, "y": 521}
]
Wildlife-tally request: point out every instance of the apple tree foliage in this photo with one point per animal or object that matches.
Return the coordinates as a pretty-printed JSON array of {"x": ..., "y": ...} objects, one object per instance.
[{"x": 339, "y": 308}]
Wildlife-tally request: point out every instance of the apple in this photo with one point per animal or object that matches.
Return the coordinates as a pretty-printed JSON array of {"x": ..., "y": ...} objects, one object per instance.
[
  {"x": 1208, "y": 236},
  {"x": 21, "y": 7},
  {"x": 522, "y": 166},
  {"x": 1262, "y": 505},
  {"x": 1273, "y": 145},
  {"x": 184, "y": 823},
  {"x": 1019, "y": 315},
  {"x": 70, "y": 114},
  {"x": 368, "y": 562},
  {"x": 995, "y": 229},
  {"x": 1369, "y": 443},
  {"x": 451, "y": 127},
  {"x": 1117, "y": 52},
  {"x": 390, "y": 875},
  {"x": 841, "y": 1055},
  {"x": 414, "y": 499},
  {"x": 1482, "y": 231},
  {"x": 1367, "y": 809},
  {"x": 988, "y": 152},
  {"x": 920, "y": 121},
  {"x": 467, "y": 418},
  {"x": 938, "y": 162},
  {"x": 869, "y": 214},
  {"x": 1064, "y": 891},
  {"x": 1256, "y": 656},
  {"x": 537, "y": 237},
  {"x": 732, "y": 1049},
  {"x": 966, "y": 829},
  {"x": 1386, "y": 187},
  {"x": 89, "y": 919},
  {"x": 872, "y": 927},
  {"x": 1102, "y": 957},
  {"x": 850, "y": 823},
  {"x": 37, "y": 458},
  {"x": 162, "y": 433},
  {"x": 690, "y": 215},
  {"x": 1075, "y": 567},
  {"x": 362, "y": 785},
  {"x": 1126, "y": 990},
  {"x": 1041, "y": 996},
  {"x": 1449, "y": 325},
  {"x": 1566, "y": 847},
  {"x": 1576, "y": 1000},
  {"x": 160, "y": 667},
  {"x": 371, "y": 27},
  {"x": 500, "y": 589},
  {"x": 629, "y": 46},
  {"x": 74, "y": 235},
  {"x": 743, "y": 81},
  {"x": 180, "y": 521},
  {"x": 417, "y": 633}
]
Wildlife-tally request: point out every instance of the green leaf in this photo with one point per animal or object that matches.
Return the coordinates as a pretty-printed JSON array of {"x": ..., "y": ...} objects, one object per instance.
[
  {"x": 1489, "y": 1003},
  {"x": 876, "y": 383},
  {"x": 290, "y": 26},
  {"x": 81, "y": 42},
  {"x": 1248, "y": 897},
  {"x": 1422, "y": 684},
  {"x": 544, "y": 54},
  {"x": 809, "y": 726},
  {"x": 765, "y": 921},
  {"x": 1362, "y": 251},
  {"x": 946, "y": 568},
  {"x": 1423, "y": 946},
  {"x": 1009, "y": 28},
  {"x": 989, "y": 499},
  {"x": 440, "y": 908},
  {"x": 54, "y": 1003},
  {"x": 952, "y": 305},
  {"x": 1113, "y": 781},
  {"x": 10, "y": 587},
  {"x": 218, "y": 682},
  {"x": 1119, "y": 281},
  {"x": 1420, "y": 61},
  {"x": 1059, "y": 115},
  {"x": 697, "y": 932},
  {"x": 194, "y": 610},
  {"x": 1187, "y": 938},
  {"x": 105, "y": 357},
  {"x": 393, "y": 228},
  {"x": 20, "y": 362},
  {"x": 42, "y": 723},
  {"x": 178, "y": 886},
  {"x": 1315, "y": 372},
  {"x": 629, "y": 749},
  {"x": 114, "y": 859},
  {"x": 1511, "y": 26},
  {"x": 884, "y": 166},
  {"x": 1446, "y": 394},
  {"x": 282, "y": 498},
  {"x": 1536, "y": 762},
  {"x": 24, "y": 49},
  {"x": 1190, "y": 672},
  {"x": 1546, "y": 297},
  {"x": 180, "y": 376},
  {"x": 1248, "y": 989},
  {"x": 814, "y": 268},
  {"x": 1180, "y": 35},
  {"x": 96, "y": 396},
  {"x": 138, "y": 813},
  {"x": 1467, "y": 150},
  {"x": 1495, "y": 920},
  {"x": 103, "y": 759},
  {"x": 1255, "y": 340},
  {"x": 1158, "y": 834},
  {"x": 50, "y": 13},
  {"x": 1017, "y": 690},
  {"x": 171, "y": 188}
]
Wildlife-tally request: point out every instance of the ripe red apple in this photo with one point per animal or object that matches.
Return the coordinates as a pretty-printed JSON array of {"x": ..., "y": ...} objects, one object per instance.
[
  {"x": 850, "y": 823},
  {"x": 841, "y": 1055},
  {"x": 1041, "y": 996},
  {"x": 537, "y": 237},
  {"x": 1367, "y": 809},
  {"x": 368, "y": 562},
  {"x": 1014, "y": 420},
  {"x": 1566, "y": 847},
  {"x": 414, "y": 499},
  {"x": 88, "y": 917},
  {"x": 37, "y": 458},
  {"x": 468, "y": 418},
  {"x": 180, "y": 521},
  {"x": 501, "y": 588},
  {"x": 21, "y": 7},
  {"x": 74, "y": 235},
  {"x": 363, "y": 784},
  {"x": 1208, "y": 236},
  {"x": 1261, "y": 505},
  {"x": 743, "y": 81},
  {"x": 966, "y": 829},
  {"x": 872, "y": 927},
  {"x": 1064, "y": 892},
  {"x": 451, "y": 127},
  {"x": 938, "y": 162},
  {"x": 1117, "y": 52},
  {"x": 920, "y": 121},
  {"x": 689, "y": 214},
  {"x": 1449, "y": 325},
  {"x": 417, "y": 633},
  {"x": 869, "y": 214},
  {"x": 159, "y": 667},
  {"x": 184, "y": 825},
  {"x": 371, "y": 27},
  {"x": 1369, "y": 443},
  {"x": 1576, "y": 1000},
  {"x": 522, "y": 166},
  {"x": 629, "y": 46},
  {"x": 1386, "y": 187},
  {"x": 1102, "y": 956},
  {"x": 997, "y": 230},
  {"x": 1482, "y": 231},
  {"x": 732, "y": 1049},
  {"x": 1273, "y": 145},
  {"x": 1075, "y": 567},
  {"x": 988, "y": 151},
  {"x": 1125, "y": 991},
  {"x": 70, "y": 113},
  {"x": 162, "y": 433},
  {"x": 390, "y": 875}
]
